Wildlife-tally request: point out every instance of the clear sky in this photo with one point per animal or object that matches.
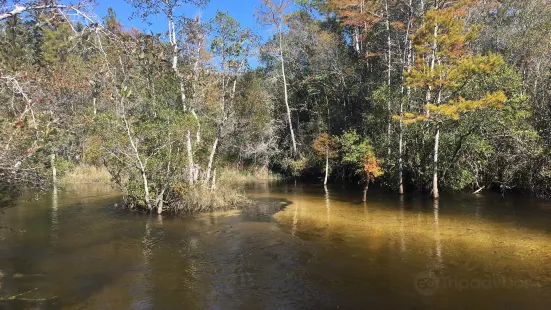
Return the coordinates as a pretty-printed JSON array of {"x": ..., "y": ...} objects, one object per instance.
[{"x": 241, "y": 10}]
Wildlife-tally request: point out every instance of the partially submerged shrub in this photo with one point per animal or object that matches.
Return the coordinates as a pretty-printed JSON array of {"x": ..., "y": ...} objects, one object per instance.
[{"x": 189, "y": 199}]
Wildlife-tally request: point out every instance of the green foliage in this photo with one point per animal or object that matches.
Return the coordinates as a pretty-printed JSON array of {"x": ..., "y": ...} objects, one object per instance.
[
  {"x": 57, "y": 43},
  {"x": 359, "y": 153},
  {"x": 87, "y": 96}
]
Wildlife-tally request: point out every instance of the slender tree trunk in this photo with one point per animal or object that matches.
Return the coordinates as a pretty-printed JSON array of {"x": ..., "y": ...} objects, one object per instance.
[
  {"x": 54, "y": 170},
  {"x": 357, "y": 40},
  {"x": 213, "y": 184},
  {"x": 160, "y": 201},
  {"x": 400, "y": 159},
  {"x": 409, "y": 51},
  {"x": 435, "y": 193},
  {"x": 289, "y": 118},
  {"x": 389, "y": 74},
  {"x": 326, "y": 166},
  {"x": 364, "y": 199},
  {"x": 141, "y": 165},
  {"x": 146, "y": 189},
  {"x": 175, "y": 51},
  {"x": 211, "y": 158},
  {"x": 191, "y": 177}
]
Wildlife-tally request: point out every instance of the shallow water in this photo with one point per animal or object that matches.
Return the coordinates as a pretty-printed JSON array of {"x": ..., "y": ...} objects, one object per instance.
[{"x": 299, "y": 247}]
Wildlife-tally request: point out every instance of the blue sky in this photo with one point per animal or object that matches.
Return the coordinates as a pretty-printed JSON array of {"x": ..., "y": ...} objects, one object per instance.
[{"x": 241, "y": 10}]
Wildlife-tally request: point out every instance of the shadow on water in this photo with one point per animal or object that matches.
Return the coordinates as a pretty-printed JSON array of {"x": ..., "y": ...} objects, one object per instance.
[{"x": 263, "y": 209}]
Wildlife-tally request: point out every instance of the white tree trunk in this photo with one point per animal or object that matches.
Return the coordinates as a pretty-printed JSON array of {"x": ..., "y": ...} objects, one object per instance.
[
  {"x": 326, "y": 166},
  {"x": 191, "y": 176},
  {"x": 211, "y": 159},
  {"x": 213, "y": 186},
  {"x": 435, "y": 193},
  {"x": 289, "y": 119},
  {"x": 409, "y": 58},
  {"x": 54, "y": 170},
  {"x": 141, "y": 165},
  {"x": 357, "y": 40},
  {"x": 389, "y": 72},
  {"x": 175, "y": 51}
]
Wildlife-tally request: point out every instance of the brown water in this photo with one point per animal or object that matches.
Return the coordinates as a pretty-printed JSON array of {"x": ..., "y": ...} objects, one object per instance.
[{"x": 300, "y": 247}]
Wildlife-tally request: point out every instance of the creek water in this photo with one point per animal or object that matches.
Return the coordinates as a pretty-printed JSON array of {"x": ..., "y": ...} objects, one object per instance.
[{"x": 297, "y": 247}]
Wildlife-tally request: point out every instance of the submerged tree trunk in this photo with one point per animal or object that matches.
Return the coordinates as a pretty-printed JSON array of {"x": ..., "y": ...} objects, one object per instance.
[
  {"x": 286, "y": 96},
  {"x": 364, "y": 199}
]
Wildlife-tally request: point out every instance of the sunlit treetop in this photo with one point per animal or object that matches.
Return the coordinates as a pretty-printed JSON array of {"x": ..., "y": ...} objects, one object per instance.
[{"x": 445, "y": 64}]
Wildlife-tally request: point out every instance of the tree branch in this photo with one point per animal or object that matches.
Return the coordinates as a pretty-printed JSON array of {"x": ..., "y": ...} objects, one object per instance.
[{"x": 21, "y": 9}]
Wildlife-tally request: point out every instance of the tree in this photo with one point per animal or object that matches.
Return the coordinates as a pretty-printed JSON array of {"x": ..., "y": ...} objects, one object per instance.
[
  {"x": 361, "y": 15},
  {"x": 231, "y": 45},
  {"x": 147, "y": 8},
  {"x": 359, "y": 153},
  {"x": 443, "y": 67},
  {"x": 272, "y": 13},
  {"x": 325, "y": 147}
]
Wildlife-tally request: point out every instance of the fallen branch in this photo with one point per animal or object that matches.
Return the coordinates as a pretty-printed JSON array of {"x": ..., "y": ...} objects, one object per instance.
[
  {"x": 479, "y": 190},
  {"x": 15, "y": 296}
]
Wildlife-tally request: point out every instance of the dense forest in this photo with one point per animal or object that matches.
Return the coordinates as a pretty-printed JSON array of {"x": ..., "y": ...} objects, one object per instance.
[{"x": 411, "y": 95}]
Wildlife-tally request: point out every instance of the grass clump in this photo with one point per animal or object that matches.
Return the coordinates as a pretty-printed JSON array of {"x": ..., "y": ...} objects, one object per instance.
[
  {"x": 235, "y": 176},
  {"x": 197, "y": 198},
  {"x": 86, "y": 174}
]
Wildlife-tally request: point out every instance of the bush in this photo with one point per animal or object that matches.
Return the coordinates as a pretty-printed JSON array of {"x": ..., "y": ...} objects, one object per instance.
[{"x": 190, "y": 199}]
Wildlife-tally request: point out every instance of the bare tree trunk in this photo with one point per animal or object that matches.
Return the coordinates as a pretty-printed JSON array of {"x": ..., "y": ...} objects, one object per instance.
[
  {"x": 435, "y": 193},
  {"x": 213, "y": 186},
  {"x": 211, "y": 159},
  {"x": 94, "y": 105},
  {"x": 54, "y": 170},
  {"x": 160, "y": 201},
  {"x": 326, "y": 166},
  {"x": 389, "y": 72},
  {"x": 191, "y": 177},
  {"x": 289, "y": 119},
  {"x": 141, "y": 165},
  {"x": 175, "y": 51},
  {"x": 364, "y": 199},
  {"x": 409, "y": 51},
  {"x": 357, "y": 40},
  {"x": 400, "y": 159}
]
